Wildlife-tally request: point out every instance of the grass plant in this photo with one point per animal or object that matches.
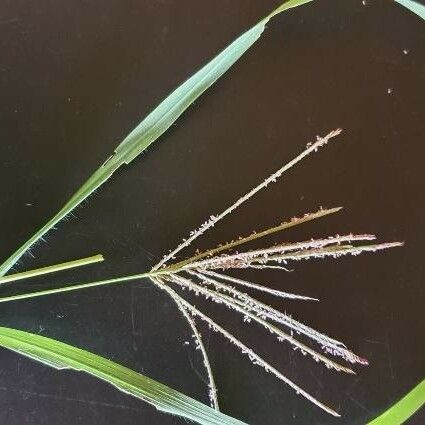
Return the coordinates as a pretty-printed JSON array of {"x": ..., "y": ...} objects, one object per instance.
[{"x": 206, "y": 274}]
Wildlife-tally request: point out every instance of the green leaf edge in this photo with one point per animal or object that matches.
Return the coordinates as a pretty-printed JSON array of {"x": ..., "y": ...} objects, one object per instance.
[
  {"x": 413, "y": 6},
  {"x": 63, "y": 356},
  {"x": 403, "y": 409}
]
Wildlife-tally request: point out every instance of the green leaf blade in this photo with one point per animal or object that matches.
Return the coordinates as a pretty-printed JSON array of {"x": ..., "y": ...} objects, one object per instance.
[
  {"x": 413, "y": 6},
  {"x": 170, "y": 109},
  {"x": 63, "y": 356},
  {"x": 403, "y": 409},
  {"x": 155, "y": 124}
]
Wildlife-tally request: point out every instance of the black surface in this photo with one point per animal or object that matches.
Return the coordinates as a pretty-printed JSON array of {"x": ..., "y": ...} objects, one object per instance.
[{"x": 77, "y": 76}]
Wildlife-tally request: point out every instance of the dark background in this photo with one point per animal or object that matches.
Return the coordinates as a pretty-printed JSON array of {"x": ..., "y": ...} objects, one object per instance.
[{"x": 77, "y": 76}]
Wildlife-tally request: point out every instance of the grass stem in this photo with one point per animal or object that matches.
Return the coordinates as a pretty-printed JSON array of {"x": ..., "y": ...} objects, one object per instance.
[{"x": 52, "y": 269}]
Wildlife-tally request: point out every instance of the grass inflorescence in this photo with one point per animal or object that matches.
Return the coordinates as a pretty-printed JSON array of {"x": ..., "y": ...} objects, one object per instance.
[{"x": 205, "y": 274}]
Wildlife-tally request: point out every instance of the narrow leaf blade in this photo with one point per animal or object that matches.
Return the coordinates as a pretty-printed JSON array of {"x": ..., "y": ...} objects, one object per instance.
[
  {"x": 63, "y": 356},
  {"x": 403, "y": 409},
  {"x": 155, "y": 124},
  {"x": 414, "y": 7}
]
